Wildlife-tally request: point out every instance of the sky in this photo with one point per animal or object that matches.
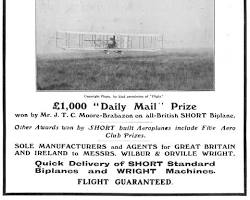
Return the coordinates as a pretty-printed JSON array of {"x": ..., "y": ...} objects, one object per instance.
[{"x": 187, "y": 23}]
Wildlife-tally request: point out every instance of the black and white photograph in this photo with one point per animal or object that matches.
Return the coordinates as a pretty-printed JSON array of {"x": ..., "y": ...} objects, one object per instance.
[{"x": 125, "y": 45}]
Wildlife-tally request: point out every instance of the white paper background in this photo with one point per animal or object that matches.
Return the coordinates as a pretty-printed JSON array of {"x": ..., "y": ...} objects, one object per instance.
[{"x": 228, "y": 65}]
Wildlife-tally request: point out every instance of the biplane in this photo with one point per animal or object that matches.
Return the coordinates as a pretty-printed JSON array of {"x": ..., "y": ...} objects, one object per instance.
[{"x": 109, "y": 42}]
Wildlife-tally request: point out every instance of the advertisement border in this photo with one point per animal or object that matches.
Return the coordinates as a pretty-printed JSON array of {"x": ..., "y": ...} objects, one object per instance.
[{"x": 121, "y": 194}]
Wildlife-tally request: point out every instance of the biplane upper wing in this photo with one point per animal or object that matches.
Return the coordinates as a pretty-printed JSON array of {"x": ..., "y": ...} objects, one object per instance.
[{"x": 100, "y": 41}]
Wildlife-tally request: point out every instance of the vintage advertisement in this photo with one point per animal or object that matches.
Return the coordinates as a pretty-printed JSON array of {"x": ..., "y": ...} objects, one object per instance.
[{"x": 124, "y": 97}]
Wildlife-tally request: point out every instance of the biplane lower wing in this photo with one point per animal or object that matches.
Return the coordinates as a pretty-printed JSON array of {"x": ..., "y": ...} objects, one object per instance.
[
  {"x": 113, "y": 49},
  {"x": 116, "y": 42}
]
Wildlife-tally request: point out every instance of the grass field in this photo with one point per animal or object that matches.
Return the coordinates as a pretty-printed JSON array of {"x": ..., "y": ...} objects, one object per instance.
[{"x": 164, "y": 70}]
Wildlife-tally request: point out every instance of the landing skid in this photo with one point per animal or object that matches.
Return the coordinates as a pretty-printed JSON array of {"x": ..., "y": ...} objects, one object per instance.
[{"x": 109, "y": 52}]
